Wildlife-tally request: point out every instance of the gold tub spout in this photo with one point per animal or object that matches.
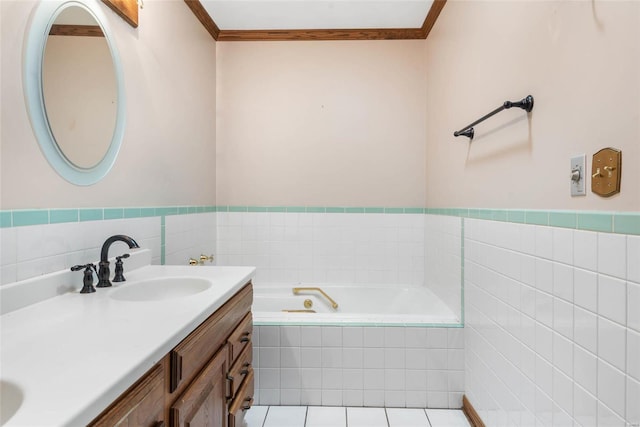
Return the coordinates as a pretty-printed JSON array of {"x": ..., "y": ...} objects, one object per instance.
[
  {"x": 334, "y": 304},
  {"x": 299, "y": 311}
]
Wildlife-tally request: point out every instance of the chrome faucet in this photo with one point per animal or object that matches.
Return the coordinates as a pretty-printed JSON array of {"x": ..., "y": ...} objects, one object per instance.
[{"x": 103, "y": 272}]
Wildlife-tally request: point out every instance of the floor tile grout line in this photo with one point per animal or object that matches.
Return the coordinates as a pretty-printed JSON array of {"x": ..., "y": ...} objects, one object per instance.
[
  {"x": 427, "y": 415},
  {"x": 265, "y": 416}
]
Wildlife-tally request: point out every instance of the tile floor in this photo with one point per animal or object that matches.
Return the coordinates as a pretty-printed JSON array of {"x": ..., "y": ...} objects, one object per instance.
[{"x": 324, "y": 416}]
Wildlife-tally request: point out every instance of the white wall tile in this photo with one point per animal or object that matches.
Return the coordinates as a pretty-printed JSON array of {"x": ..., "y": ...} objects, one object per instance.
[
  {"x": 585, "y": 407},
  {"x": 563, "y": 245},
  {"x": 585, "y": 368},
  {"x": 563, "y": 354},
  {"x": 544, "y": 242},
  {"x": 585, "y": 250},
  {"x": 612, "y": 254},
  {"x": 562, "y": 392},
  {"x": 563, "y": 317},
  {"x": 633, "y": 255},
  {"x": 586, "y": 289},
  {"x": 586, "y": 329},
  {"x": 633, "y": 302},
  {"x": 563, "y": 281},
  {"x": 612, "y": 388},
  {"x": 633, "y": 354},
  {"x": 633, "y": 397},
  {"x": 612, "y": 295}
]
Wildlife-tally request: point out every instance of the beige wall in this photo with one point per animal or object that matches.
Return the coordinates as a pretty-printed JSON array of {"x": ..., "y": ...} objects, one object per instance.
[
  {"x": 321, "y": 123},
  {"x": 168, "y": 154},
  {"x": 581, "y": 62}
]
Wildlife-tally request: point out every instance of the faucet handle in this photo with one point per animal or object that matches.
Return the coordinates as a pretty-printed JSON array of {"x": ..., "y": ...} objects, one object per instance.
[
  {"x": 87, "y": 281},
  {"x": 119, "y": 273}
]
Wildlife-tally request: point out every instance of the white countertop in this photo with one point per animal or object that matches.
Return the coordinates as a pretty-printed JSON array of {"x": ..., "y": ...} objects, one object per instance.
[{"x": 74, "y": 354}]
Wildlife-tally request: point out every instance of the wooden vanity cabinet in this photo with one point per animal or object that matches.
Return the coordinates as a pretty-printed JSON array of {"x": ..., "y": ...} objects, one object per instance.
[
  {"x": 205, "y": 381},
  {"x": 200, "y": 388}
]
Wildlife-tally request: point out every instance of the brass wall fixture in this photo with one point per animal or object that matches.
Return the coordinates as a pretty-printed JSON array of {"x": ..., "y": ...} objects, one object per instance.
[
  {"x": 203, "y": 258},
  {"x": 606, "y": 171},
  {"x": 308, "y": 303},
  {"x": 334, "y": 304}
]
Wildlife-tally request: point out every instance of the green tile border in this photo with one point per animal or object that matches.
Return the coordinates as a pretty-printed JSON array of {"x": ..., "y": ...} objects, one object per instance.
[
  {"x": 606, "y": 222},
  {"x": 57, "y": 216},
  {"x": 609, "y": 222}
]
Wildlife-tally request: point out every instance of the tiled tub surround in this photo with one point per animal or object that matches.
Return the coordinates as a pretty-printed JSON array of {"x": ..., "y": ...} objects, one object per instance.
[
  {"x": 552, "y": 325},
  {"x": 325, "y": 247},
  {"x": 351, "y": 365},
  {"x": 443, "y": 248},
  {"x": 359, "y": 366}
]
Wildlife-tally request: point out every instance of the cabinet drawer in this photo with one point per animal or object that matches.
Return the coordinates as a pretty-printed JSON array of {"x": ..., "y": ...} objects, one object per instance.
[
  {"x": 241, "y": 337},
  {"x": 188, "y": 357},
  {"x": 239, "y": 370},
  {"x": 141, "y": 405},
  {"x": 242, "y": 402}
]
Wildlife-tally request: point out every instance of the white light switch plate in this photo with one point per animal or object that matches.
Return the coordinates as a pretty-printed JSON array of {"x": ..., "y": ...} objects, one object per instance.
[{"x": 578, "y": 163}]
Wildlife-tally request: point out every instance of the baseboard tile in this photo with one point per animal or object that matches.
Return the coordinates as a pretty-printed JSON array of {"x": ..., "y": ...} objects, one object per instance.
[{"x": 470, "y": 412}]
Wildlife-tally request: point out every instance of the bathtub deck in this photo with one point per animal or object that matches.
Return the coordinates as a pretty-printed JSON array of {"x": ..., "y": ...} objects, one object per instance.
[{"x": 324, "y": 416}]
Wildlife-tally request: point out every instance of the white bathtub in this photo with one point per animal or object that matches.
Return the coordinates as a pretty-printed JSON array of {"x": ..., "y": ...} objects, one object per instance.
[{"x": 357, "y": 305}]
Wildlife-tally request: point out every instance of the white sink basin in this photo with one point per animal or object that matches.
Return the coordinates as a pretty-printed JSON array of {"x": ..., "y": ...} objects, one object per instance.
[
  {"x": 161, "y": 289},
  {"x": 10, "y": 401}
]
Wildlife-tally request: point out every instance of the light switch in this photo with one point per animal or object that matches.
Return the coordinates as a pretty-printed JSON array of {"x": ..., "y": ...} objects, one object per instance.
[
  {"x": 577, "y": 175},
  {"x": 606, "y": 172}
]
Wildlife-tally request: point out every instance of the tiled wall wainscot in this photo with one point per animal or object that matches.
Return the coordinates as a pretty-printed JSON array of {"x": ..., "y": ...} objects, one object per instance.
[
  {"x": 552, "y": 325},
  {"x": 189, "y": 236},
  {"x": 359, "y": 366},
  {"x": 34, "y": 250},
  {"x": 37, "y": 242}
]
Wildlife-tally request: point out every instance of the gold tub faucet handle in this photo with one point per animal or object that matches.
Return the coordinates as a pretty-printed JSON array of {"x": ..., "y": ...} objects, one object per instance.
[{"x": 334, "y": 304}]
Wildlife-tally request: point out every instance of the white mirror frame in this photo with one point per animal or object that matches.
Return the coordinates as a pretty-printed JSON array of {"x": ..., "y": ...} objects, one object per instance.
[{"x": 35, "y": 42}]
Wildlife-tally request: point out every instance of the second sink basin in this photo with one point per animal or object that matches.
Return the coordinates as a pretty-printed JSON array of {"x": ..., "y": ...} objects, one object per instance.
[
  {"x": 11, "y": 400},
  {"x": 161, "y": 289}
]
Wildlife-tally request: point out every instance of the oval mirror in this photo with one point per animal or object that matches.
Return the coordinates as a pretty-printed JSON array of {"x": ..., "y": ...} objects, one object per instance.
[{"x": 74, "y": 89}]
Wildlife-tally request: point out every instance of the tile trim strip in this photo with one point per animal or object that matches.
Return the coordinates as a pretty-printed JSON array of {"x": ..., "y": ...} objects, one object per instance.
[{"x": 602, "y": 221}]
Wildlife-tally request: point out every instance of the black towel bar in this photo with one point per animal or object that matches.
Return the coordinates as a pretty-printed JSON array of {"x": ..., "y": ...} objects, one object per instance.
[{"x": 526, "y": 104}]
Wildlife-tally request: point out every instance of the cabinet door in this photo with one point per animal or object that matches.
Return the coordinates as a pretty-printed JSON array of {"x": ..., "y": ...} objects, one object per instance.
[
  {"x": 203, "y": 403},
  {"x": 142, "y": 405}
]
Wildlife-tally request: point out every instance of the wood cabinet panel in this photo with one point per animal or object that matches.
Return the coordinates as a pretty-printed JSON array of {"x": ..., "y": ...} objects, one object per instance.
[
  {"x": 188, "y": 357},
  {"x": 204, "y": 401},
  {"x": 141, "y": 405}
]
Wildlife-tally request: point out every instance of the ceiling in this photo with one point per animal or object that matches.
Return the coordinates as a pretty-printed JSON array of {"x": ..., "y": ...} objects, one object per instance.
[
  {"x": 316, "y": 15},
  {"x": 229, "y": 20}
]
